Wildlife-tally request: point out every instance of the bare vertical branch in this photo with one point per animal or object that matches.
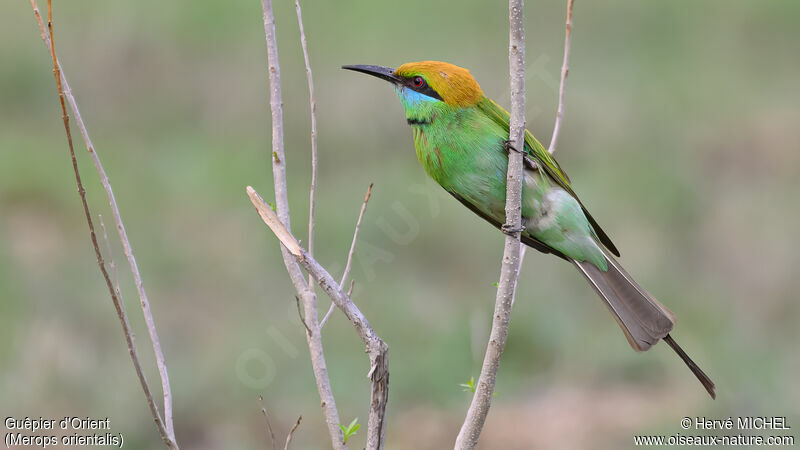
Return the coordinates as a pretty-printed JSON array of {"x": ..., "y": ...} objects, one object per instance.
[
  {"x": 313, "y": 107},
  {"x": 165, "y": 427},
  {"x": 350, "y": 253},
  {"x": 304, "y": 291},
  {"x": 564, "y": 73},
  {"x": 376, "y": 348},
  {"x": 509, "y": 272}
]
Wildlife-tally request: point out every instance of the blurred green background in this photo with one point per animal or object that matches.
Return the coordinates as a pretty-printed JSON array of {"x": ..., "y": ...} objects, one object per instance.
[{"x": 681, "y": 134}]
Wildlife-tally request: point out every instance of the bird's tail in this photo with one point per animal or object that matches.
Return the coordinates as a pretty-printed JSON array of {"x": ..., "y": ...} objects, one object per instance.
[{"x": 643, "y": 319}]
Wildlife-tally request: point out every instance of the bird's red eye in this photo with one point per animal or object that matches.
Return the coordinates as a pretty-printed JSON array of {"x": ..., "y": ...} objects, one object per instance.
[{"x": 418, "y": 81}]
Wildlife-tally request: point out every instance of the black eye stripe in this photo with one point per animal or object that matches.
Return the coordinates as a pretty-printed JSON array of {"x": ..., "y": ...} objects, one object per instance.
[{"x": 422, "y": 89}]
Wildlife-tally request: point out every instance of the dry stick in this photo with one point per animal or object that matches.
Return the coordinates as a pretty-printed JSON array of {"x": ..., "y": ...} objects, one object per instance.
[
  {"x": 509, "y": 272},
  {"x": 327, "y": 315},
  {"x": 564, "y": 73},
  {"x": 522, "y": 252},
  {"x": 63, "y": 91},
  {"x": 350, "y": 253},
  {"x": 291, "y": 433},
  {"x": 300, "y": 313},
  {"x": 376, "y": 348},
  {"x": 151, "y": 328},
  {"x": 304, "y": 291},
  {"x": 111, "y": 264},
  {"x": 355, "y": 235},
  {"x": 312, "y": 196},
  {"x": 266, "y": 419}
]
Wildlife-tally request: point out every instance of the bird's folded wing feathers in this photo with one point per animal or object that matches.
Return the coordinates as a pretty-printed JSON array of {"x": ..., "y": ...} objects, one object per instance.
[{"x": 534, "y": 149}]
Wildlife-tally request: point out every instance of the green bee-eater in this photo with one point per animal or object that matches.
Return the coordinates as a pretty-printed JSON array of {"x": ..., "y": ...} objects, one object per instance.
[{"x": 461, "y": 140}]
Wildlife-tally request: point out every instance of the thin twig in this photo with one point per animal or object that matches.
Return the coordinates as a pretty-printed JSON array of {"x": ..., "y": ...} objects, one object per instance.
[
  {"x": 509, "y": 272},
  {"x": 522, "y": 252},
  {"x": 63, "y": 91},
  {"x": 111, "y": 264},
  {"x": 351, "y": 252},
  {"x": 564, "y": 73},
  {"x": 355, "y": 236},
  {"x": 312, "y": 196},
  {"x": 300, "y": 313},
  {"x": 327, "y": 315},
  {"x": 291, "y": 433},
  {"x": 266, "y": 419},
  {"x": 376, "y": 348},
  {"x": 333, "y": 305},
  {"x": 306, "y": 293}
]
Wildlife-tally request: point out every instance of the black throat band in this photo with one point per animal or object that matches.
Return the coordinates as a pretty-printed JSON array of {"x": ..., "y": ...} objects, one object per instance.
[{"x": 413, "y": 122}]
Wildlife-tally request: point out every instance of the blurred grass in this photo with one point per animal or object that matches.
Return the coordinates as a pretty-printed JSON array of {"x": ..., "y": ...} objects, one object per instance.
[{"x": 680, "y": 134}]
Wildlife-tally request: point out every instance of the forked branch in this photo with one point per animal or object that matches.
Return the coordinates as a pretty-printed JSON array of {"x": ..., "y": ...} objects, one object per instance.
[
  {"x": 304, "y": 292},
  {"x": 165, "y": 426},
  {"x": 375, "y": 347},
  {"x": 350, "y": 254},
  {"x": 290, "y": 248}
]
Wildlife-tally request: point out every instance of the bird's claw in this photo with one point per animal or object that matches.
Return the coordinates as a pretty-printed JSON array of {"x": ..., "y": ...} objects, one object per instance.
[
  {"x": 505, "y": 228},
  {"x": 508, "y": 147}
]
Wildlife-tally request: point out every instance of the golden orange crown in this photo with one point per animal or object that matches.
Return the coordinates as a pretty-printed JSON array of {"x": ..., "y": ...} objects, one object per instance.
[{"x": 454, "y": 84}]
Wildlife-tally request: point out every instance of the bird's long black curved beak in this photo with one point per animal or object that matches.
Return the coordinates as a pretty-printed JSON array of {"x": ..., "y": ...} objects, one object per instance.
[{"x": 386, "y": 73}]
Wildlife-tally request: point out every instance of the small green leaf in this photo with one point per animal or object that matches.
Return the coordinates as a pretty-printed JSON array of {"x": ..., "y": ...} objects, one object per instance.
[
  {"x": 496, "y": 284},
  {"x": 469, "y": 386},
  {"x": 350, "y": 430}
]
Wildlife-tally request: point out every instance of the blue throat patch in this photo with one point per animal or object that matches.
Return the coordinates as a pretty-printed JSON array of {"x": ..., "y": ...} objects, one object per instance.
[
  {"x": 418, "y": 107},
  {"x": 412, "y": 97}
]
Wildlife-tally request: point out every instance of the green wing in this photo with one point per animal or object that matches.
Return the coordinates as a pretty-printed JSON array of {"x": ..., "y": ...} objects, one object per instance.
[{"x": 541, "y": 157}]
